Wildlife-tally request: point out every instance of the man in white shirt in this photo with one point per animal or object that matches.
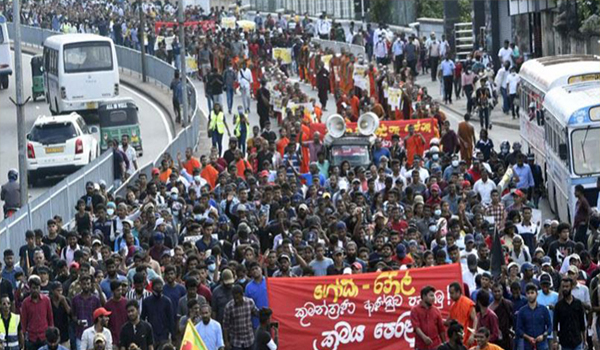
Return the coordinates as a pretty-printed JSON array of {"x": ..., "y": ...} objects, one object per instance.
[
  {"x": 484, "y": 188},
  {"x": 131, "y": 154},
  {"x": 99, "y": 326},
  {"x": 433, "y": 49},
  {"x": 381, "y": 50},
  {"x": 505, "y": 53},
  {"x": 210, "y": 330},
  {"x": 512, "y": 85},
  {"x": 245, "y": 80},
  {"x": 444, "y": 46},
  {"x": 501, "y": 81},
  {"x": 323, "y": 27}
]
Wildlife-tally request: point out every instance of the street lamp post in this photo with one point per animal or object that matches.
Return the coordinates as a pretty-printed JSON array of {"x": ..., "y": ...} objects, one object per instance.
[
  {"x": 141, "y": 36},
  {"x": 183, "y": 75}
]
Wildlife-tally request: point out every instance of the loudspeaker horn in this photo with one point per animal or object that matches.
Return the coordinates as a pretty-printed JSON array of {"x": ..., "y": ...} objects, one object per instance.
[
  {"x": 336, "y": 126},
  {"x": 368, "y": 124}
]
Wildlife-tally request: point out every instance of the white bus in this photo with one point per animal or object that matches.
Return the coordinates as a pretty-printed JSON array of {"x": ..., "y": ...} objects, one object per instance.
[
  {"x": 5, "y": 56},
  {"x": 572, "y": 133},
  {"x": 538, "y": 77},
  {"x": 80, "y": 70}
]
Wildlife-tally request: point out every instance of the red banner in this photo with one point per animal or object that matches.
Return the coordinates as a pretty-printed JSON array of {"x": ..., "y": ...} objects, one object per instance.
[
  {"x": 387, "y": 128},
  {"x": 364, "y": 311},
  {"x": 206, "y": 25}
]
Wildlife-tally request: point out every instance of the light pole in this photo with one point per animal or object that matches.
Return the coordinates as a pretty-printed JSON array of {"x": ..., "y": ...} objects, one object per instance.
[
  {"x": 20, "y": 104},
  {"x": 141, "y": 36},
  {"x": 183, "y": 72}
]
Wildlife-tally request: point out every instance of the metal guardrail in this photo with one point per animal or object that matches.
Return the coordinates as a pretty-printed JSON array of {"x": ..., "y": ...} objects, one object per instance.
[
  {"x": 62, "y": 198},
  {"x": 339, "y": 46}
]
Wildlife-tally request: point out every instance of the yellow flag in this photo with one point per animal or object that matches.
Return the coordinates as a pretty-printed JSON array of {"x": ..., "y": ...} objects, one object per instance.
[{"x": 191, "y": 339}]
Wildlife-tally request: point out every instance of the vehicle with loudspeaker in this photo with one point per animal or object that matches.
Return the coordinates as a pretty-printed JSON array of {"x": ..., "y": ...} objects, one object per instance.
[{"x": 352, "y": 147}]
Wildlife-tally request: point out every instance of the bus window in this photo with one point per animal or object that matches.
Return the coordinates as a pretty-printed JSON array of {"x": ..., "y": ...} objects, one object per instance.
[
  {"x": 585, "y": 146},
  {"x": 87, "y": 57},
  {"x": 1, "y": 36}
]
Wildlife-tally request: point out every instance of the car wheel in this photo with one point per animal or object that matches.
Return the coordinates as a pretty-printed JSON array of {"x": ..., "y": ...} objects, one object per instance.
[
  {"x": 31, "y": 179},
  {"x": 4, "y": 81}
]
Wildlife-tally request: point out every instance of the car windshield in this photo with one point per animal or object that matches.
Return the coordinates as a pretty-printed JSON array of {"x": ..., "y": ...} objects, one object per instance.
[
  {"x": 88, "y": 57},
  {"x": 53, "y": 133},
  {"x": 585, "y": 146},
  {"x": 355, "y": 154}
]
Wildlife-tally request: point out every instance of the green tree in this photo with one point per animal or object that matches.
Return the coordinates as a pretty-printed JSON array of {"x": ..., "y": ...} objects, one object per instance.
[
  {"x": 466, "y": 8},
  {"x": 380, "y": 11},
  {"x": 430, "y": 9}
]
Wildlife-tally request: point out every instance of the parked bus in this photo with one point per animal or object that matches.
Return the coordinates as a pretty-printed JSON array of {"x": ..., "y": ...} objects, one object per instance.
[
  {"x": 572, "y": 133},
  {"x": 538, "y": 77},
  {"x": 80, "y": 70}
]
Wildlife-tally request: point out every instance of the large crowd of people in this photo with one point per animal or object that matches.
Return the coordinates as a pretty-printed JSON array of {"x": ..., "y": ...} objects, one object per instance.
[{"x": 197, "y": 239}]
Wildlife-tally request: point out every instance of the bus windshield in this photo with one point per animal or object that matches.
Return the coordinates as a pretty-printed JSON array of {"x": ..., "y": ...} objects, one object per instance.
[
  {"x": 355, "y": 154},
  {"x": 88, "y": 57},
  {"x": 1, "y": 35},
  {"x": 585, "y": 145}
]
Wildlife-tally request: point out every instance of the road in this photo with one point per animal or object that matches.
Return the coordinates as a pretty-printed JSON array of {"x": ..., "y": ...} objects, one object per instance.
[
  {"x": 497, "y": 134},
  {"x": 156, "y": 133}
]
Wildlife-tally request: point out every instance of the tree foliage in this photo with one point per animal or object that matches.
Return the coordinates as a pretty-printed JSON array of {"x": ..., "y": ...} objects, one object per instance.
[
  {"x": 380, "y": 11},
  {"x": 430, "y": 9}
]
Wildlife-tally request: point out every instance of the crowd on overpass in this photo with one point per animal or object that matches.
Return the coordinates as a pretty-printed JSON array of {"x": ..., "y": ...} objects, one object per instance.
[{"x": 198, "y": 239}]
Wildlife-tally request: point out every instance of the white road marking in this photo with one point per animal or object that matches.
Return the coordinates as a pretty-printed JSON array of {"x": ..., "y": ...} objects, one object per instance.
[{"x": 158, "y": 109}]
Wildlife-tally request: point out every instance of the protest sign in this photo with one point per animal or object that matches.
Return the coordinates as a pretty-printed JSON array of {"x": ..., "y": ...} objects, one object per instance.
[
  {"x": 362, "y": 311},
  {"x": 228, "y": 22},
  {"x": 360, "y": 77},
  {"x": 284, "y": 53},
  {"x": 387, "y": 128}
]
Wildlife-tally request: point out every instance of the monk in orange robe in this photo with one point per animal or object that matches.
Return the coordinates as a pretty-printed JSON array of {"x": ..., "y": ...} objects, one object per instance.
[{"x": 463, "y": 311}]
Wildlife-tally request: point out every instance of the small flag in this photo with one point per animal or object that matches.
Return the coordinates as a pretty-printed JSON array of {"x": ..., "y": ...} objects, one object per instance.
[{"x": 191, "y": 339}]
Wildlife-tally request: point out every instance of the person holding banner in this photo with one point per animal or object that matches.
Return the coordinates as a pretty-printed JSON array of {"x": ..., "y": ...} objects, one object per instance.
[
  {"x": 463, "y": 311},
  {"x": 245, "y": 80}
]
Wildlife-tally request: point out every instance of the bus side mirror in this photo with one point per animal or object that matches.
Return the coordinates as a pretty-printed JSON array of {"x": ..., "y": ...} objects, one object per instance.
[
  {"x": 94, "y": 129},
  {"x": 562, "y": 151},
  {"x": 28, "y": 136}
]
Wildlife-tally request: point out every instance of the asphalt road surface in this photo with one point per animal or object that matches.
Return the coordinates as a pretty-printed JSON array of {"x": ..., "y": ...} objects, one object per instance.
[{"x": 155, "y": 130}]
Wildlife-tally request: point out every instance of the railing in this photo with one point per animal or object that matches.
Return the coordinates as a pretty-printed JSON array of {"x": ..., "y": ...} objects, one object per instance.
[{"x": 62, "y": 198}]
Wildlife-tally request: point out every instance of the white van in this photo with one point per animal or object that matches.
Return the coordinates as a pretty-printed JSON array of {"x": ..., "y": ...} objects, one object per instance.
[{"x": 5, "y": 56}]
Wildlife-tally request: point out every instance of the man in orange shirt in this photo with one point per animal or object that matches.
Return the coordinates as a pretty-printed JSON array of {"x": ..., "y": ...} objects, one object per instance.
[
  {"x": 463, "y": 311},
  {"x": 414, "y": 143},
  {"x": 482, "y": 337},
  {"x": 209, "y": 173},
  {"x": 355, "y": 104},
  {"x": 283, "y": 141},
  {"x": 191, "y": 163}
]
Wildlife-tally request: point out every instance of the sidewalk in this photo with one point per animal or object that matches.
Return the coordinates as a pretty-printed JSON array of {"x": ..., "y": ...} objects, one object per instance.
[{"x": 459, "y": 107}]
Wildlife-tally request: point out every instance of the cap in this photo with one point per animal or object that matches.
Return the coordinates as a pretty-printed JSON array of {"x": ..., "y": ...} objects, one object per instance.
[
  {"x": 264, "y": 173},
  {"x": 159, "y": 222},
  {"x": 303, "y": 207},
  {"x": 357, "y": 265},
  {"x": 547, "y": 222},
  {"x": 356, "y": 181},
  {"x": 326, "y": 195},
  {"x": 340, "y": 225},
  {"x": 101, "y": 312},
  {"x": 284, "y": 256},
  {"x": 127, "y": 221},
  {"x": 526, "y": 266},
  {"x": 401, "y": 250},
  {"x": 435, "y": 187},
  {"x": 511, "y": 265},
  {"x": 155, "y": 171},
  {"x": 378, "y": 215},
  {"x": 227, "y": 277},
  {"x": 419, "y": 199},
  {"x": 96, "y": 241},
  {"x": 469, "y": 238},
  {"x": 159, "y": 236},
  {"x": 413, "y": 243},
  {"x": 519, "y": 193},
  {"x": 242, "y": 207},
  {"x": 74, "y": 265},
  {"x": 99, "y": 337},
  {"x": 175, "y": 190},
  {"x": 338, "y": 251},
  {"x": 466, "y": 183},
  {"x": 545, "y": 279},
  {"x": 573, "y": 269},
  {"x": 546, "y": 261}
]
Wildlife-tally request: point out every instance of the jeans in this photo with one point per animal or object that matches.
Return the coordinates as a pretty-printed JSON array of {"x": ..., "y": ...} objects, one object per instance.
[
  {"x": 469, "y": 94},
  {"x": 578, "y": 347},
  {"x": 433, "y": 65},
  {"x": 209, "y": 101},
  {"x": 505, "y": 104},
  {"x": 217, "y": 141},
  {"x": 448, "y": 82},
  {"x": 229, "y": 92},
  {"x": 246, "y": 99},
  {"x": 242, "y": 143},
  {"x": 514, "y": 107},
  {"x": 177, "y": 59},
  {"x": 457, "y": 87},
  {"x": 218, "y": 99},
  {"x": 34, "y": 345},
  {"x": 484, "y": 117}
]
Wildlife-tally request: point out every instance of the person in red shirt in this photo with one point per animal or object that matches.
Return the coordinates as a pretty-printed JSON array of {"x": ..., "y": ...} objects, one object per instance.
[
  {"x": 117, "y": 305},
  {"x": 36, "y": 315},
  {"x": 434, "y": 198},
  {"x": 355, "y": 104},
  {"x": 427, "y": 322}
]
